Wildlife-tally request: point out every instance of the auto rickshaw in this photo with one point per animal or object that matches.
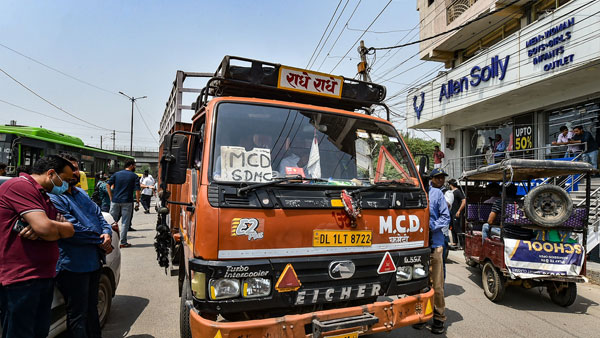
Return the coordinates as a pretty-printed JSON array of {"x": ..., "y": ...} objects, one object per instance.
[{"x": 542, "y": 236}]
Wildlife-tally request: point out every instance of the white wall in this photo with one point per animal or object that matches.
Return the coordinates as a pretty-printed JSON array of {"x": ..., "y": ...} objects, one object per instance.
[{"x": 584, "y": 44}]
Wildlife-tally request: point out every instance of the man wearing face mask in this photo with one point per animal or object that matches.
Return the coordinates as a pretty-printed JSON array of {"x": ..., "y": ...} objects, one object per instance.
[
  {"x": 81, "y": 257},
  {"x": 29, "y": 229}
]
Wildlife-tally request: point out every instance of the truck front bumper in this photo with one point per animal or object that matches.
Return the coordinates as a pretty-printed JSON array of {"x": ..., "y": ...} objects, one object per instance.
[{"x": 390, "y": 315}]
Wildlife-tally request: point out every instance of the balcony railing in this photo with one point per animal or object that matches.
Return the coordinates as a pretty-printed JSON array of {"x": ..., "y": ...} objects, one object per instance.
[
  {"x": 456, "y": 8},
  {"x": 455, "y": 167}
]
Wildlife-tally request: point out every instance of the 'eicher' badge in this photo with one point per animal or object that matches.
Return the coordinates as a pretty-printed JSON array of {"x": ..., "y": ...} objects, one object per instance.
[{"x": 251, "y": 227}]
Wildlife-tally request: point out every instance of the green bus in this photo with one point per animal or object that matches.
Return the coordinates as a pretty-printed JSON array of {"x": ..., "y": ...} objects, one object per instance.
[{"x": 22, "y": 146}]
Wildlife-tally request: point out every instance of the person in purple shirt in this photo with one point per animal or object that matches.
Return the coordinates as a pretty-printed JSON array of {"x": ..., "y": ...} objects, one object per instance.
[
  {"x": 81, "y": 257},
  {"x": 439, "y": 218}
]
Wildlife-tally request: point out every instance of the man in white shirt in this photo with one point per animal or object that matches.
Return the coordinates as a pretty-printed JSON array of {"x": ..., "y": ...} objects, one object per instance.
[
  {"x": 147, "y": 184},
  {"x": 563, "y": 138}
]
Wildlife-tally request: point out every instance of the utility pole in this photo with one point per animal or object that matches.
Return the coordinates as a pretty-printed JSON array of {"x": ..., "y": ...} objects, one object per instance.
[
  {"x": 132, "y": 99},
  {"x": 100, "y": 141},
  {"x": 113, "y": 139},
  {"x": 363, "y": 67}
]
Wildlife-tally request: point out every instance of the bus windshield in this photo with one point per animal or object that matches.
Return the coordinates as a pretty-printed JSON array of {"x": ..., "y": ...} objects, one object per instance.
[{"x": 255, "y": 143}]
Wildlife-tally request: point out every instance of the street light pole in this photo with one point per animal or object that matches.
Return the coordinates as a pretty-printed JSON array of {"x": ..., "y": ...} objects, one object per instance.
[{"x": 132, "y": 99}]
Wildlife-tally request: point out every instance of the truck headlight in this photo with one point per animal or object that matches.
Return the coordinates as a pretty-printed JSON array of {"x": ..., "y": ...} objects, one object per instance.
[
  {"x": 223, "y": 288},
  {"x": 404, "y": 273},
  {"x": 419, "y": 271},
  {"x": 256, "y": 287}
]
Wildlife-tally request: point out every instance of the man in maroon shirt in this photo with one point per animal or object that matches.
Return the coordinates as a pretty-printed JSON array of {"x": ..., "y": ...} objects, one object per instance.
[{"x": 28, "y": 258}]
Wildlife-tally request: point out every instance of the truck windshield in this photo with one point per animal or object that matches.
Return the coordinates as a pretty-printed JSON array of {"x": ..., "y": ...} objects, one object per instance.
[{"x": 255, "y": 144}]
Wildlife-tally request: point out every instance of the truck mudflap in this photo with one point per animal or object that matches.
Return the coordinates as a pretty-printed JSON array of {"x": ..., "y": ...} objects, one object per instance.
[{"x": 358, "y": 320}]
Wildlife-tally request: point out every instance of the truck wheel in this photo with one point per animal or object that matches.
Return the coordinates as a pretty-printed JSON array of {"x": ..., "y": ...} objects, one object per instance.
[
  {"x": 184, "y": 314},
  {"x": 105, "y": 293},
  {"x": 564, "y": 296},
  {"x": 548, "y": 205},
  {"x": 493, "y": 282}
]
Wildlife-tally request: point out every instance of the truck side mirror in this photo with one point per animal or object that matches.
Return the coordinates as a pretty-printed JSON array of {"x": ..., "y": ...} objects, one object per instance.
[
  {"x": 423, "y": 168},
  {"x": 176, "y": 160}
]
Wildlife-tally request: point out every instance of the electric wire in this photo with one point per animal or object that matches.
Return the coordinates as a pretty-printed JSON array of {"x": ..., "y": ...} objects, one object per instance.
[
  {"x": 144, "y": 120},
  {"x": 58, "y": 70},
  {"x": 328, "y": 35},
  {"x": 450, "y": 30},
  {"x": 360, "y": 37},
  {"x": 49, "y": 102},
  {"x": 325, "y": 31},
  {"x": 339, "y": 35}
]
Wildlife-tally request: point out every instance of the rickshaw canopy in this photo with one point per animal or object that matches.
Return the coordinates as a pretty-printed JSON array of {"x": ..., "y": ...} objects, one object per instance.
[{"x": 524, "y": 170}]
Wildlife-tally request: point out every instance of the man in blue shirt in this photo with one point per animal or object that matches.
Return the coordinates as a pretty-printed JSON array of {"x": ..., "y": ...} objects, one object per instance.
[
  {"x": 439, "y": 218},
  {"x": 120, "y": 188},
  {"x": 81, "y": 257}
]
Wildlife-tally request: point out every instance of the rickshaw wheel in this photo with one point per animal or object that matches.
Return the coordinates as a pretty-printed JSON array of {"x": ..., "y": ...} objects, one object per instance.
[
  {"x": 548, "y": 205},
  {"x": 563, "y": 296},
  {"x": 493, "y": 282},
  {"x": 470, "y": 262}
]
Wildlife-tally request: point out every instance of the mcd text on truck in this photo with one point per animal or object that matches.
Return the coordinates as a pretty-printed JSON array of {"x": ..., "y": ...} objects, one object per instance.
[{"x": 287, "y": 209}]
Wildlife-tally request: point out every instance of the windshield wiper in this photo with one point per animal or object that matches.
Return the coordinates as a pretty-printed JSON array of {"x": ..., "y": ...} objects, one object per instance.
[
  {"x": 243, "y": 190},
  {"x": 379, "y": 184}
]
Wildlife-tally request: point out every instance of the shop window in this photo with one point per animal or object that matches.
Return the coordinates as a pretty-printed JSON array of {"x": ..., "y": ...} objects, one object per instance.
[{"x": 586, "y": 115}]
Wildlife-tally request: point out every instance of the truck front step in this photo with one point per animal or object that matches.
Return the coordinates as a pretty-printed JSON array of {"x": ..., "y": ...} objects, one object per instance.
[{"x": 319, "y": 327}]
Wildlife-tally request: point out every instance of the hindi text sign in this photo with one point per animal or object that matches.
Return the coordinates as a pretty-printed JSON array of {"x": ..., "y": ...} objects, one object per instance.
[{"x": 306, "y": 81}]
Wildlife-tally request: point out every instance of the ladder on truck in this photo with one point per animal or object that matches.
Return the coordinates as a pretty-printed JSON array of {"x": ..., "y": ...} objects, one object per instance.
[{"x": 174, "y": 106}]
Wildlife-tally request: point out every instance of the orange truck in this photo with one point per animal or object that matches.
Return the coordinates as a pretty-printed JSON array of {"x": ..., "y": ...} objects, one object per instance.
[{"x": 287, "y": 209}]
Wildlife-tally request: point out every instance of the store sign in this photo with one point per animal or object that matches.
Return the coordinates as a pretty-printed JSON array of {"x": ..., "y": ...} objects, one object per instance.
[
  {"x": 546, "y": 46},
  {"x": 523, "y": 137},
  {"x": 496, "y": 69}
]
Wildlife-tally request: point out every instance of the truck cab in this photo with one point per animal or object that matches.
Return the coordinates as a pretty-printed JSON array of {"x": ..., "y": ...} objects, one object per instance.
[{"x": 291, "y": 210}]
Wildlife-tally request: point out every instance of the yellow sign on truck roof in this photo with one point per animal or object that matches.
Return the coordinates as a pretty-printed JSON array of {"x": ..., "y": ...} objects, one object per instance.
[{"x": 306, "y": 81}]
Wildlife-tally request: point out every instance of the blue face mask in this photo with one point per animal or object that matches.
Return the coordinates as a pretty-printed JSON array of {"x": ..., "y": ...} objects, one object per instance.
[{"x": 58, "y": 190}]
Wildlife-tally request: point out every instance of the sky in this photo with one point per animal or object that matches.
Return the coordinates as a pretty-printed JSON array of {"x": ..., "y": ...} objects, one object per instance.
[{"x": 98, "y": 48}]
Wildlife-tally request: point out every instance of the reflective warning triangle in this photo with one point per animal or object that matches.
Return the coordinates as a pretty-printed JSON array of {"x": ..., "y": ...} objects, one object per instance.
[
  {"x": 428, "y": 309},
  {"x": 387, "y": 264},
  {"x": 218, "y": 335},
  {"x": 288, "y": 281}
]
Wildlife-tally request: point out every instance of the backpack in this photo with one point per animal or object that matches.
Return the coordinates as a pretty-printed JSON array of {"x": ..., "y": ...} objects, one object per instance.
[{"x": 96, "y": 194}]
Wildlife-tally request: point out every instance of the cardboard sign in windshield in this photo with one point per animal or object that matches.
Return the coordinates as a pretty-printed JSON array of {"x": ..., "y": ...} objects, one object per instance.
[{"x": 241, "y": 165}]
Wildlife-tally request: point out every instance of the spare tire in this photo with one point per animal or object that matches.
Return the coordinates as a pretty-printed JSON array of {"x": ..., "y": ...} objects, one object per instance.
[{"x": 548, "y": 205}]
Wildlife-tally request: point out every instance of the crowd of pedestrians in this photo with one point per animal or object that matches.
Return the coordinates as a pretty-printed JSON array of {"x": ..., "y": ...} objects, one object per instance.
[{"x": 53, "y": 234}]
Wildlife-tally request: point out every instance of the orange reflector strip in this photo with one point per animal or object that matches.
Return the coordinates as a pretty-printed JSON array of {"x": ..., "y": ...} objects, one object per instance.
[
  {"x": 387, "y": 264},
  {"x": 288, "y": 281}
]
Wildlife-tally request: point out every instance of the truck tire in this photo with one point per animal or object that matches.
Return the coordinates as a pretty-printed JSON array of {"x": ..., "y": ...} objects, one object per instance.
[
  {"x": 105, "y": 293},
  {"x": 565, "y": 296},
  {"x": 548, "y": 205},
  {"x": 184, "y": 315},
  {"x": 493, "y": 282}
]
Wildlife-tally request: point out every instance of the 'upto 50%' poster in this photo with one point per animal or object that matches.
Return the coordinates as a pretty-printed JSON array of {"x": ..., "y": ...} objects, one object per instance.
[{"x": 530, "y": 259}]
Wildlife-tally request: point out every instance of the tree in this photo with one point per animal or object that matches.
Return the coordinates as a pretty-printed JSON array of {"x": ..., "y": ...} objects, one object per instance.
[{"x": 418, "y": 146}]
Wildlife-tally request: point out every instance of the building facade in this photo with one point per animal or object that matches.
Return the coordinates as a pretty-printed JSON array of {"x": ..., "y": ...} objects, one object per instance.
[{"x": 519, "y": 72}]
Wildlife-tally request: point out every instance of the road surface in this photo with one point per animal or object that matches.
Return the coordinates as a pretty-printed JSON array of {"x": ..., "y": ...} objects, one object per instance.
[{"x": 147, "y": 305}]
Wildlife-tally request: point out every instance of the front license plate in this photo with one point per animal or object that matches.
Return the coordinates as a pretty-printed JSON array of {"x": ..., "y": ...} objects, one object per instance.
[
  {"x": 342, "y": 238},
  {"x": 345, "y": 335}
]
